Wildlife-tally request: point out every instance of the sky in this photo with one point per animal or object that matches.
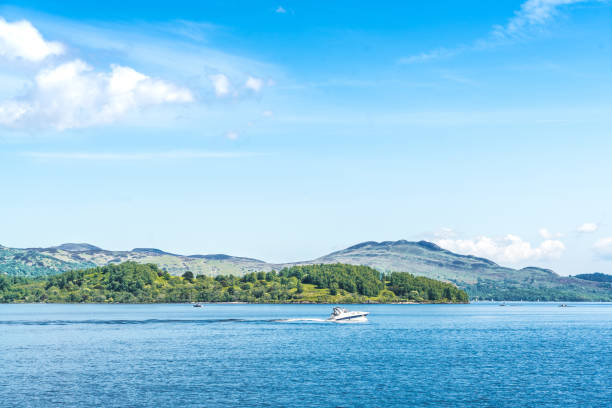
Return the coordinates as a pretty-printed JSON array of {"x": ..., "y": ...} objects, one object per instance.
[{"x": 286, "y": 130}]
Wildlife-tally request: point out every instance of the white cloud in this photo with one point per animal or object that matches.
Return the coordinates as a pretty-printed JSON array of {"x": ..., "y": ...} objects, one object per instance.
[
  {"x": 21, "y": 40},
  {"x": 12, "y": 111},
  {"x": 110, "y": 156},
  {"x": 280, "y": 10},
  {"x": 267, "y": 113},
  {"x": 603, "y": 247},
  {"x": 510, "y": 249},
  {"x": 444, "y": 233},
  {"x": 588, "y": 227},
  {"x": 254, "y": 84},
  {"x": 221, "y": 84},
  {"x": 73, "y": 95},
  {"x": 546, "y": 234},
  {"x": 231, "y": 135}
]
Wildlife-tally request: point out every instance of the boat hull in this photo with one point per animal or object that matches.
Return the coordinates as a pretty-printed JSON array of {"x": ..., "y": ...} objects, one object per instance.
[{"x": 353, "y": 317}]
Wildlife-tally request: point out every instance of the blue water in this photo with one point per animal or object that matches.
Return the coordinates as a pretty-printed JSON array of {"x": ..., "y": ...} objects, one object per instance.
[{"x": 478, "y": 355}]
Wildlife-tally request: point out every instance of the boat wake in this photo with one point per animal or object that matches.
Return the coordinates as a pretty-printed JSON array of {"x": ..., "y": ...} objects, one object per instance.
[
  {"x": 155, "y": 321},
  {"x": 300, "y": 320},
  {"x": 296, "y": 320}
]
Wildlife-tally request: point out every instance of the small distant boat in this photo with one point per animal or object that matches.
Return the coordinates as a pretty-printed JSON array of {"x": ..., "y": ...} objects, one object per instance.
[
  {"x": 563, "y": 305},
  {"x": 197, "y": 305},
  {"x": 340, "y": 314}
]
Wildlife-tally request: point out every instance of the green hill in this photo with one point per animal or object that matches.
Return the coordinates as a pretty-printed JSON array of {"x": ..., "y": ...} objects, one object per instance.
[
  {"x": 480, "y": 277},
  {"x": 595, "y": 277},
  {"x": 131, "y": 282}
]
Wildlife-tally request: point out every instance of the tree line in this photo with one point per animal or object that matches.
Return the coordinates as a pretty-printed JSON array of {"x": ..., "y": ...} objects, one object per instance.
[{"x": 131, "y": 282}]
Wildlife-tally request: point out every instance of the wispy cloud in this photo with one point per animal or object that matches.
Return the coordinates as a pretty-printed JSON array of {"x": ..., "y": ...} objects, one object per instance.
[
  {"x": 280, "y": 10},
  {"x": 603, "y": 248},
  {"x": 193, "y": 30},
  {"x": 169, "y": 155},
  {"x": 231, "y": 135},
  {"x": 439, "y": 53},
  {"x": 460, "y": 79},
  {"x": 254, "y": 84},
  {"x": 588, "y": 227},
  {"x": 531, "y": 14},
  {"x": 546, "y": 234}
]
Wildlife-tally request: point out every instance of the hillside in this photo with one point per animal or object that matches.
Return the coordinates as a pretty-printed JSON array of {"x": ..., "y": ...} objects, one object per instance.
[
  {"x": 480, "y": 277},
  {"x": 53, "y": 260},
  {"x": 131, "y": 282},
  {"x": 595, "y": 277}
]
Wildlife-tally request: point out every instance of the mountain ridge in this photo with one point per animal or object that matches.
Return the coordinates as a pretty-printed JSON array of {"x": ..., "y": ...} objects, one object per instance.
[{"x": 480, "y": 277}]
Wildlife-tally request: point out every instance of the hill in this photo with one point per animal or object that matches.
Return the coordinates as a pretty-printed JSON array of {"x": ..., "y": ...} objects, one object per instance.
[
  {"x": 131, "y": 282},
  {"x": 53, "y": 260},
  {"x": 480, "y": 277},
  {"x": 595, "y": 277}
]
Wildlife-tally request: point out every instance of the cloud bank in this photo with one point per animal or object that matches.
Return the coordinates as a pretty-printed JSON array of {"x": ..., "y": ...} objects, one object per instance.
[
  {"x": 74, "y": 95},
  {"x": 510, "y": 249}
]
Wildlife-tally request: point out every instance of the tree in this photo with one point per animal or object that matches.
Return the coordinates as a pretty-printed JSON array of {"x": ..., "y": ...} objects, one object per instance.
[
  {"x": 189, "y": 276},
  {"x": 300, "y": 288}
]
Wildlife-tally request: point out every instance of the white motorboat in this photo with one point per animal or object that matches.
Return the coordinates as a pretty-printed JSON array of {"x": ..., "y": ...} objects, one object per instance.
[{"x": 342, "y": 315}]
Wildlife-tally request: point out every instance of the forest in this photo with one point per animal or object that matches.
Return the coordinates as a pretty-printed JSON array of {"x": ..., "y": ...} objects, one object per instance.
[{"x": 131, "y": 282}]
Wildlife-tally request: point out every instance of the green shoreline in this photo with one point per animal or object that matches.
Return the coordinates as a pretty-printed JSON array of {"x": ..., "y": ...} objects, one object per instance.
[
  {"x": 131, "y": 283},
  {"x": 236, "y": 303}
]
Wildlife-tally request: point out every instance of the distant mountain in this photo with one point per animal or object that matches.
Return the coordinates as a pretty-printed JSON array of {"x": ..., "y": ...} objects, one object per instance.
[
  {"x": 46, "y": 261},
  {"x": 480, "y": 277},
  {"x": 70, "y": 247}
]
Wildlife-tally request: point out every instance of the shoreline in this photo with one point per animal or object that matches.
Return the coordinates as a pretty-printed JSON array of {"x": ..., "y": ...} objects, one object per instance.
[{"x": 238, "y": 303}]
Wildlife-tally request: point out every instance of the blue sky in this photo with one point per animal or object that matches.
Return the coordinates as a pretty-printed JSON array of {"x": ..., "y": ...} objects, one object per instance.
[{"x": 286, "y": 130}]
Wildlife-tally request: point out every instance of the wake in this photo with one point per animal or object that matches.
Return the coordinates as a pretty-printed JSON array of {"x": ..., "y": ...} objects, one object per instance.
[
  {"x": 166, "y": 321},
  {"x": 312, "y": 320}
]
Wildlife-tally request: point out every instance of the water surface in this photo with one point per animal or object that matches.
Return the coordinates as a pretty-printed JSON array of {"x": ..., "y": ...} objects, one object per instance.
[{"x": 478, "y": 355}]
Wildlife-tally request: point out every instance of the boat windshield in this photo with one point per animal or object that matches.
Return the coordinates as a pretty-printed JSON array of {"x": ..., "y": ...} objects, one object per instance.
[{"x": 338, "y": 310}]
